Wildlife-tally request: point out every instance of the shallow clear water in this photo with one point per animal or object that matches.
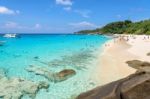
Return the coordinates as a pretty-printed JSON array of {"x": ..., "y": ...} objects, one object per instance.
[{"x": 76, "y": 52}]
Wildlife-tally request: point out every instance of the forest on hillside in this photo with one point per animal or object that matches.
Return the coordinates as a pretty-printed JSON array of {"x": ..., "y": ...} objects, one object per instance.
[{"x": 121, "y": 27}]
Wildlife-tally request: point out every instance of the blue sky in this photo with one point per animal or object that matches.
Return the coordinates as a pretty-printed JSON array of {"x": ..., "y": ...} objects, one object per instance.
[{"x": 67, "y": 16}]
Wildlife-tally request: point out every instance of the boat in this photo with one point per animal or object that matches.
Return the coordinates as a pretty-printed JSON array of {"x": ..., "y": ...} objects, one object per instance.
[{"x": 10, "y": 35}]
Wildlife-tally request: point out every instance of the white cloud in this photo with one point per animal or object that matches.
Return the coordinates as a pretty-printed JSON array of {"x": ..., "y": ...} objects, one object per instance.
[
  {"x": 64, "y": 2},
  {"x": 68, "y": 8},
  {"x": 37, "y": 26},
  {"x": 83, "y": 13},
  {"x": 5, "y": 10},
  {"x": 83, "y": 24}
]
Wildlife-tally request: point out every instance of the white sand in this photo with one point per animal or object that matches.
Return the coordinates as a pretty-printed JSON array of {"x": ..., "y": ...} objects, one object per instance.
[
  {"x": 140, "y": 47},
  {"x": 112, "y": 62}
]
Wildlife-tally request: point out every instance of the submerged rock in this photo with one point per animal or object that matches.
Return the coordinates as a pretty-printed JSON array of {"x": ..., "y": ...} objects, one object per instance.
[
  {"x": 136, "y": 86},
  {"x": 36, "y": 57},
  {"x": 77, "y": 60},
  {"x": 2, "y": 43},
  {"x": 38, "y": 70},
  {"x": 16, "y": 88},
  {"x": 2, "y": 73},
  {"x": 56, "y": 77}
]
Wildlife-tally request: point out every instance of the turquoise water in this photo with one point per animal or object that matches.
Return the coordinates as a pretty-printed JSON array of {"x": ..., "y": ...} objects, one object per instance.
[{"x": 76, "y": 52}]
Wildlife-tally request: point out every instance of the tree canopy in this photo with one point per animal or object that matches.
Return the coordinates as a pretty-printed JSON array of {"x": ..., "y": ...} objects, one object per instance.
[{"x": 122, "y": 27}]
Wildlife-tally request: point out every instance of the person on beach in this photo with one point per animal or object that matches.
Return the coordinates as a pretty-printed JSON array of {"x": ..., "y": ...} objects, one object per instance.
[
  {"x": 127, "y": 38},
  {"x": 148, "y": 36},
  {"x": 144, "y": 38}
]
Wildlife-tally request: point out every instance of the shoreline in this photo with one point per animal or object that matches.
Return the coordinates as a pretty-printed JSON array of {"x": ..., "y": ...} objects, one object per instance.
[
  {"x": 125, "y": 66},
  {"x": 112, "y": 66}
]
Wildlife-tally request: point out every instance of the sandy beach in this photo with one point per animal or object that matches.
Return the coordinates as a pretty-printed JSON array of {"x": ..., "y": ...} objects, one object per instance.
[{"x": 112, "y": 62}]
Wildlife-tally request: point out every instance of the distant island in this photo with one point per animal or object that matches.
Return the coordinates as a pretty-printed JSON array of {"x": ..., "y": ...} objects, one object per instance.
[{"x": 121, "y": 27}]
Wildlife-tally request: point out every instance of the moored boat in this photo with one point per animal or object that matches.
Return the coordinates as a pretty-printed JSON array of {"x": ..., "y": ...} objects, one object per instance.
[{"x": 10, "y": 35}]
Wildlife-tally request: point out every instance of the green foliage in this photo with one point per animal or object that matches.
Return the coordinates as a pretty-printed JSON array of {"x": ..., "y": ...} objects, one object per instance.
[
  {"x": 89, "y": 31},
  {"x": 123, "y": 27},
  {"x": 116, "y": 27}
]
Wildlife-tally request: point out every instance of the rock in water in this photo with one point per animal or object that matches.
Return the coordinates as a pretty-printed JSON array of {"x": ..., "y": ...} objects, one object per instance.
[
  {"x": 36, "y": 57},
  {"x": 2, "y": 43},
  {"x": 16, "y": 88},
  {"x": 64, "y": 75},
  {"x": 136, "y": 86},
  {"x": 2, "y": 73},
  {"x": 55, "y": 77}
]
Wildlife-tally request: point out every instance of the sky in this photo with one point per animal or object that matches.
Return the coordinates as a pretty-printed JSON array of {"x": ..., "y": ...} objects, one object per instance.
[{"x": 67, "y": 16}]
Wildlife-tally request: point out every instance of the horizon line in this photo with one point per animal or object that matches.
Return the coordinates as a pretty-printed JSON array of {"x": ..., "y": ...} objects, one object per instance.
[{"x": 37, "y": 33}]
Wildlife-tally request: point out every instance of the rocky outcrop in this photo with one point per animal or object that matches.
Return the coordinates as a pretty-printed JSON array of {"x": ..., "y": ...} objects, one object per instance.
[
  {"x": 139, "y": 65},
  {"x": 16, "y": 88},
  {"x": 55, "y": 77},
  {"x": 136, "y": 86},
  {"x": 148, "y": 54}
]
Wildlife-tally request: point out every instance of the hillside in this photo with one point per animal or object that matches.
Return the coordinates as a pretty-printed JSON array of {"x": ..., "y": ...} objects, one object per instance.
[{"x": 122, "y": 27}]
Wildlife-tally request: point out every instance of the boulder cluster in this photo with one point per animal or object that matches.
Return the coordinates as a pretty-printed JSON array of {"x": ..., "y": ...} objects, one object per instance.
[
  {"x": 136, "y": 86},
  {"x": 16, "y": 88},
  {"x": 51, "y": 76}
]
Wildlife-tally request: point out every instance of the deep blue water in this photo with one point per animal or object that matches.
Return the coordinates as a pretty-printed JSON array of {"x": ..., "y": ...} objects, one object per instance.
[{"x": 18, "y": 53}]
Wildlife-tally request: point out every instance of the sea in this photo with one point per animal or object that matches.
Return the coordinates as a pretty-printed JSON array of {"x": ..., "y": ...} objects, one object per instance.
[{"x": 55, "y": 52}]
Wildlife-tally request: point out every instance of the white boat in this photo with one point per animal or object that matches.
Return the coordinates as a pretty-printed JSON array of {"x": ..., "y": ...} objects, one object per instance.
[{"x": 10, "y": 35}]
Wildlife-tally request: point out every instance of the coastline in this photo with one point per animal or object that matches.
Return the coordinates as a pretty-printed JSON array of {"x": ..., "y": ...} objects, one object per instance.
[
  {"x": 111, "y": 65},
  {"x": 125, "y": 66}
]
